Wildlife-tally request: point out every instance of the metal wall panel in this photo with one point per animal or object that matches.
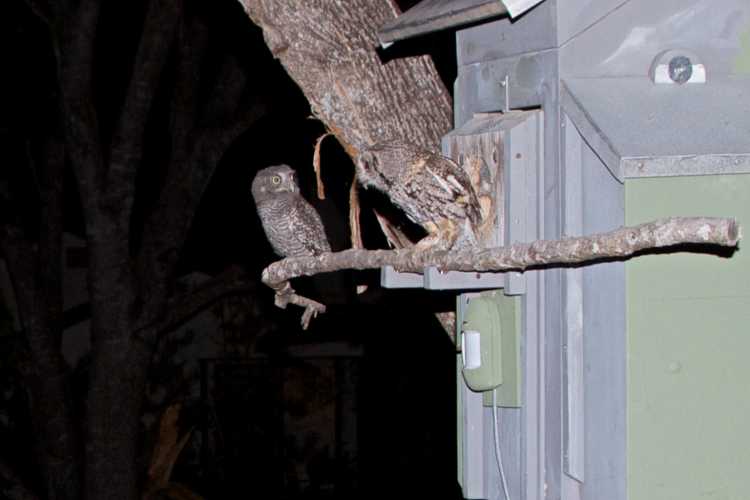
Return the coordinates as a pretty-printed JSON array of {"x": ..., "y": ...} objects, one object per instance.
[
  {"x": 482, "y": 87},
  {"x": 625, "y": 42},
  {"x": 434, "y": 15},
  {"x": 573, "y": 361},
  {"x": 641, "y": 129},
  {"x": 521, "y": 430},
  {"x": 532, "y": 32},
  {"x": 604, "y": 341},
  {"x": 576, "y": 16}
]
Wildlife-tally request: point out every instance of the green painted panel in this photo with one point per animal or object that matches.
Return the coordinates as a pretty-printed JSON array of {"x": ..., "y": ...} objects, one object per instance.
[
  {"x": 742, "y": 64},
  {"x": 509, "y": 393},
  {"x": 688, "y": 345}
]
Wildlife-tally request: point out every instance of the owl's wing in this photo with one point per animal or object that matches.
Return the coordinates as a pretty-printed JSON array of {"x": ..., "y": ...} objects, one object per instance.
[
  {"x": 445, "y": 187},
  {"x": 307, "y": 228}
]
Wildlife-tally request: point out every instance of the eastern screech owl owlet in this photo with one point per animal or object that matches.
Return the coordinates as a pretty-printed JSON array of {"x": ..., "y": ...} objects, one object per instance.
[
  {"x": 432, "y": 190},
  {"x": 292, "y": 225}
]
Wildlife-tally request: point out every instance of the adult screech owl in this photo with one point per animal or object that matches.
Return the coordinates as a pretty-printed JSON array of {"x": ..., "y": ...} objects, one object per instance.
[
  {"x": 292, "y": 225},
  {"x": 431, "y": 189}
]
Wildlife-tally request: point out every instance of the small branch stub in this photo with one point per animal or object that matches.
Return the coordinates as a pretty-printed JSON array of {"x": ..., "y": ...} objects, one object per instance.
[{"x": 621, "y": 243}]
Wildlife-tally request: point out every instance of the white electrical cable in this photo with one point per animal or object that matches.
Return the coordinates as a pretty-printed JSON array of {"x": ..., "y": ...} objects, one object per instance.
[{"x": 498, "y": 455}]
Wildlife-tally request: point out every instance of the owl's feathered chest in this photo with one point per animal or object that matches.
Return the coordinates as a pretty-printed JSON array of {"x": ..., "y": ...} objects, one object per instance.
[
  {"x": 274, "y": 207},
  {"x": 292, "y": 226}
]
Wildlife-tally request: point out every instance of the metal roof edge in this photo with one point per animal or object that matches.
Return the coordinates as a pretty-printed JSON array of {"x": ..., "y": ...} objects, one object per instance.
[
  {"x": 639, "y": 128},
  {"x": 434, "y": 15},
  {"x": 590, "y": 132}
]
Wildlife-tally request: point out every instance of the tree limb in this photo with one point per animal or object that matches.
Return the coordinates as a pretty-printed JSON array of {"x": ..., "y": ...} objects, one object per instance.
[
  {"x": 11, "y": 485},
  {"x": 41, "y": 9},
  {"x": 182, "y": 307},
  {"x": 168, "y": 225},
  {"x": 126, "y": 150},
  {"x": 197, "y": 148},
  {"x": 620, "y": 243},
  {"x": 74, "y": 49},
  {"x": 19, "y": 254},
  {"x": 192, "y": 45}
]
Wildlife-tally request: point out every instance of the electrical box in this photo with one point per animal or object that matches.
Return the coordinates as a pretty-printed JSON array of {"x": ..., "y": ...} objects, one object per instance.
[
  {"x": 490, "y": 340},
  {"x": 481, "y": 344}
]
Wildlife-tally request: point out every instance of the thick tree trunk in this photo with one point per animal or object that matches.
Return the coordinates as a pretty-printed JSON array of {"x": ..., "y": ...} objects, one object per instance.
[
  {"x": 329, "y": 49},
  {"x": 129, "y": 288},
  {"x": 114, "y": 398},
  {"x": 113, "y": 419},
  {"x": 132, "y": 262}
]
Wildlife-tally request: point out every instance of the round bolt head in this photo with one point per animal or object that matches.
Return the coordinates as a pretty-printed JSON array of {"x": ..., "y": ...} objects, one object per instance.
[{"x": 680, "y": 69}]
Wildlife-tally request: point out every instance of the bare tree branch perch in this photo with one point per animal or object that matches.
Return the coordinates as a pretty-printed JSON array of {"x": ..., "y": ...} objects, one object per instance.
[
  {"x": 43, "y": 10},
  {"x": 620, "y": 243}
]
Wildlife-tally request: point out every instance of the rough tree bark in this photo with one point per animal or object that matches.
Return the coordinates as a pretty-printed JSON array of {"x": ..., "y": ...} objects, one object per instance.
[
  {"x": 132, "y": 262},
  {"x": 328, "y": 48}
]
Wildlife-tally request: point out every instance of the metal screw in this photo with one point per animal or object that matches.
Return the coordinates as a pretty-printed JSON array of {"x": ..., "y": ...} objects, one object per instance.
[{"x": 680, "y": 69}]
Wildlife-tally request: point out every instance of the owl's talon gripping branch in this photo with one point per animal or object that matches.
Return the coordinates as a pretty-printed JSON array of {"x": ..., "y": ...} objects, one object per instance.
[{"x": 286, "y": 295}]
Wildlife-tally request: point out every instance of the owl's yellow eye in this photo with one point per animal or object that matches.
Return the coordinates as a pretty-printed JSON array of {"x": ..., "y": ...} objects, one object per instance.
[{"x": 275, "y": 180}]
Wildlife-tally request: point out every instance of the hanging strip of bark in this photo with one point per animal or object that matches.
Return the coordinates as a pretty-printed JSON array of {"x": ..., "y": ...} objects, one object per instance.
[
  {"x": 618, "y": 244},
  {"x": 355, "y": 226},
  {"x": 316, "y": 167}
]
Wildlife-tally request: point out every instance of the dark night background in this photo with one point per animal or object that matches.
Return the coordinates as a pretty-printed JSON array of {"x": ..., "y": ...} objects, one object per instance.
[{"x": 397, "y": 358}]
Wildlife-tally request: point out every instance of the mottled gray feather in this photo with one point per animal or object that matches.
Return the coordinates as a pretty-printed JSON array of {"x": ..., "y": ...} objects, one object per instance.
[
  {"x": 292, "y": 225},
  {"x": 425, "y": 185}
]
